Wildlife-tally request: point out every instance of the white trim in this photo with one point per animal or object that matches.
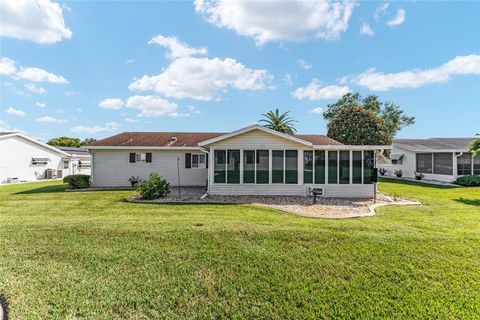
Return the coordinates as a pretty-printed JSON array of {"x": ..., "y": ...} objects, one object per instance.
[
  {"x": 139, "y": 148},
  {"x": 421, "y": 150},
  {"x": 339, "y": 147},
  {"x": 254, "y": 127},
  {"x": 40, "y": 143}
]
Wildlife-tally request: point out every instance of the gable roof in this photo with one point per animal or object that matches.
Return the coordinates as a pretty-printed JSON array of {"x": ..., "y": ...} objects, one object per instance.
[
  {"x": 6, "y": 135},
  {"x": 433, "y": 144},
  {"x": 184, "y": 140}
]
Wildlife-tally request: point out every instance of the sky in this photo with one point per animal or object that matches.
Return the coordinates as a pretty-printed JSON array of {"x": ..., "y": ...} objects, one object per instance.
[{"x": 98, "y": 68}]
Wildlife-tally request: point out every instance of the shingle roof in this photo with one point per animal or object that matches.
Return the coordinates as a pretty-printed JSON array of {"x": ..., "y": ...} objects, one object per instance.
[
  {"x": 183, "y": 139},
  {"x": 72, "y": 150},
  {"x": 434, "y": 143}
]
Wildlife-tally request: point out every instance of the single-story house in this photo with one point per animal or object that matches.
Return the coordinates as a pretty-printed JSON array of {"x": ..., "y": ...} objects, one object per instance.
[
  {"x": 23, "y": 158},
  {"x": 251, "y": 161},
  {"x": 440, "y": 159}
]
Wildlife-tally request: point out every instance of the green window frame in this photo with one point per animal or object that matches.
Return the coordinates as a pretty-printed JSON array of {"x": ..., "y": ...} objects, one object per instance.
[
  {"x": 220, "y": 166},
  {"x": 307, "y": 166},
  {"x": 344, "y": 167},
  {"x": 291, "y": 166},
  {"x": 332, "y": 167},
  {"x": 278, "y": 169},
  {"x": 368, "y": 165},
  {"x": 319, "y": 166},
  {"x": 233, "y": 166},
  {"x": 248, "y": 166},
  {"x": 263, "y": 167},
  {"x": 357, "y": 167}
]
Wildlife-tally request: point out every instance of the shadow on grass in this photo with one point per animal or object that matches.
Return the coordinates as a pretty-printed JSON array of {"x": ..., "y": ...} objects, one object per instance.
[
  {"x": 414, "y": 183},
  {"x": 471, "y": 202},
  {"x": 186, "y": 203},
  {"x": 47, "y": 189}
]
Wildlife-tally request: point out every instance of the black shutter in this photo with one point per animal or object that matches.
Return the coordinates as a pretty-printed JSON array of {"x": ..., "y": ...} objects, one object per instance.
[
  {"x": 206, "y": 161},
  {"x": 132, "y": 157},
  {"x": 148, "y": 157},
  {"x": 188, "y": 160}
]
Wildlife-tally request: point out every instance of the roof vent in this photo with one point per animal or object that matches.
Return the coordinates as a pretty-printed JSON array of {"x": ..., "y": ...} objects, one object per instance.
[{"x": 173, "y": 138}]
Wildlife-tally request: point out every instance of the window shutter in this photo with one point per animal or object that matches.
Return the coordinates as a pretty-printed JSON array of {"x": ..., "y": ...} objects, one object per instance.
[
  {"x": 188, "y": 160},
  {"x": 132, "y": 157},
  {"x": 206, "y": 160},
  {"x": 148, "y": 157}
]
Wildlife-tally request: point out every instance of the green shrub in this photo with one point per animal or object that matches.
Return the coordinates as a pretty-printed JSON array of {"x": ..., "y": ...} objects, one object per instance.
[
  {"x": 154, "y": 187},
  {"x": 468, "y": 181},
  {"x": 77, "y": 181}
]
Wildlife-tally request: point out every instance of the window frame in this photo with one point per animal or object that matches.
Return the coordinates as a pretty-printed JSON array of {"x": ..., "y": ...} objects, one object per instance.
[{"x": 200, "y": 165}]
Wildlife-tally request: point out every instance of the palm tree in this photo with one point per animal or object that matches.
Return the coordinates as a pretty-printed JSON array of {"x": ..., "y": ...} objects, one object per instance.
[
  {"x": 279, "y": 122},
  {"x": 475, "y": 146}
]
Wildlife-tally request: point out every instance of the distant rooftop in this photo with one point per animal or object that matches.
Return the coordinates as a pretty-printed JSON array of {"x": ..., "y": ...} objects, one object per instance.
[
  {"x": 72, "y": 150},
  {"x": 434, "y": 143}
]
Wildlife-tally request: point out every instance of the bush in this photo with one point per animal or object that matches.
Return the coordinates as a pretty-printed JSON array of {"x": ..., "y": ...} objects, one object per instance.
[
  {"x": 77, "y": 181},
  {"x": 154, "y": 187},
  {"x": 468, "y": 181}
]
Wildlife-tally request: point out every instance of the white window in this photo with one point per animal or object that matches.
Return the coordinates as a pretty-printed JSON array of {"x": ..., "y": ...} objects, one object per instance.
[
  {"x": 140, "y": 157},
  {"x": 198, "y": 161},
  {"x": 66, "y": 164}
]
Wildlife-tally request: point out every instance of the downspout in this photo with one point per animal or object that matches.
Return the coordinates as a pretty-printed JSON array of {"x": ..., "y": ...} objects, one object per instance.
[{"x": 208, "y": 171}]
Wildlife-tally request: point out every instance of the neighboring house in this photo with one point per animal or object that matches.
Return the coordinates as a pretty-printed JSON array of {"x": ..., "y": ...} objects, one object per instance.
[
  {"x": 441, "y": 159},
  {"x": 23, "y": 158},
  {"x": 251, "y": 161}
]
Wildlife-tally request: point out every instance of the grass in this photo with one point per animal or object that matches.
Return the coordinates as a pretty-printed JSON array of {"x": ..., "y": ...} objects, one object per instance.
[{"x": 91, "y": 255}]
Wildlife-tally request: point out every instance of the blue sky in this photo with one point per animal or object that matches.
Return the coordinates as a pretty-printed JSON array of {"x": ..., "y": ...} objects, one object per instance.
[{"x": 94, "y": 69}]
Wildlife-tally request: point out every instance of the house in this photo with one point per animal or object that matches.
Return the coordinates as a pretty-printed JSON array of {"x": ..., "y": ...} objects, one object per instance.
[
  {"x": 440, "y": 159},
  {"x": 23, "y": 158},
  {"x": 250, "y": 161}
]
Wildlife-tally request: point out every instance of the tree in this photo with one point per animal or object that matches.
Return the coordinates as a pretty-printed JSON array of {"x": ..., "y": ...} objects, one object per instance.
[
  {"x": 87, "y": 141},
  {"x": 475, "y": 146},
  {"x": 358, "y": 125},
  {"x": 65, "y": 142},
  {"x": 388, "y": 111},
  {"x": 279, "y": 122}
]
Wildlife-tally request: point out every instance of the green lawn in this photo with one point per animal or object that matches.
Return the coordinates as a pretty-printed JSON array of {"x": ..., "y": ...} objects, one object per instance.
[{"x": 91, "y": 255}]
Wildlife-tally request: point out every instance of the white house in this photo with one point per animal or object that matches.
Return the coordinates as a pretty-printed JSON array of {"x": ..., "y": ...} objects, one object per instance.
[
  {"x": 250, "y": 161},
  {"x": 23, "y": 158},
  {"x": 440, "y": 159}
]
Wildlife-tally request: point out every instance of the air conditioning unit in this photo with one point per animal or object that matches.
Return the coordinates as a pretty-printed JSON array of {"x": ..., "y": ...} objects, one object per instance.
[
  {"x": 49, "y": 174},
  {"x": 59, "y": 174}
]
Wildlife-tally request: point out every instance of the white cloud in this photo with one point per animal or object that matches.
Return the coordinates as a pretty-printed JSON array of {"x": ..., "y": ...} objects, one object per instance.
[
  {"x": 40, "y": 21},
  {"x": 380, "y": 10},
  {"x": 4, "y": 127},
  {"x": 398, "y": 19},
  {"x": 7, "y": 66},
  {"x": 288, "y": 79},
  {"x": 151, "y": 106},
  {"x": 202, "y": 78},
  {"x": 178, "y": 115},
  {"x": 366, "y": 30},
  {"x": 317, "y": 110},
  {"x": 48, "y": 119},
  {"x": 40, "y": 104},
  {"x": 71, "y": 93},
  {"x": 111, "y": 103},
  {"x": 193, "y": 109},
  {"x": 60, "y": 111},
  {"x": 379, "y": 81},
  {"x": 40, "y": 75},
  {"x": 267, "y": 21},
  {"x": 79, "y": 109},
  {"x": 316, "y": 91},
  {"x": 109, "y": 126},
  {"x": 32, "y": 87},
  {"x": 304, "y": 64},
  {"x": 177, "y": 49},
  {"x": 15, "y": 112},
  {"x": 131, "y": 120},
  {"x": 130, "y": 61}
]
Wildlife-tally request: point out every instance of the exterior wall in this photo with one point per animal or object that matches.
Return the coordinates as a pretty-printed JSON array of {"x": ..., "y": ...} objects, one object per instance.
[
  {"x": 16, "y": 156},
  {"x": 257, "y": 139},
  {"x": 74, "y": 167},
  {"x": 409, "y": 166},
  {"x": 112, "y": 168}
]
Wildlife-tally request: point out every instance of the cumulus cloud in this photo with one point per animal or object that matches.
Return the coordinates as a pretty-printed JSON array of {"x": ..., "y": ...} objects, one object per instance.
[
  {"x": 379, "y": 81},
  {"x": 40, "y": 21},
  {"x": 380, "y": 10},
  {"x": 40, "y": 75},
  {"x": 304, "y": 64},
  {"x": 111, "y": 103},
  {"x": 15, "y": 112},
  {"x": 48, "y": 119},
  {"x": 109, "y": 126},
  {"x": 7, "y": 66},
  {"x": 130, "y": 120},
  {"x": 40, "y": 104},
  {"x": 193, "y": 109},
  {"x": 32, "y": 87},
  {"x": 317, "y": 110},
  {"x": 288, "y": 79},
  {"x": 267, "y": 21},
  {"x": 315, "y": 90},
  {"x": 202, "y": 78},
  {"x": 151, "y": 106},
  {"x": 366, "y": 29},
  {"x": 177, "y": 48},
  {"x": 398, "y": 19}
]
